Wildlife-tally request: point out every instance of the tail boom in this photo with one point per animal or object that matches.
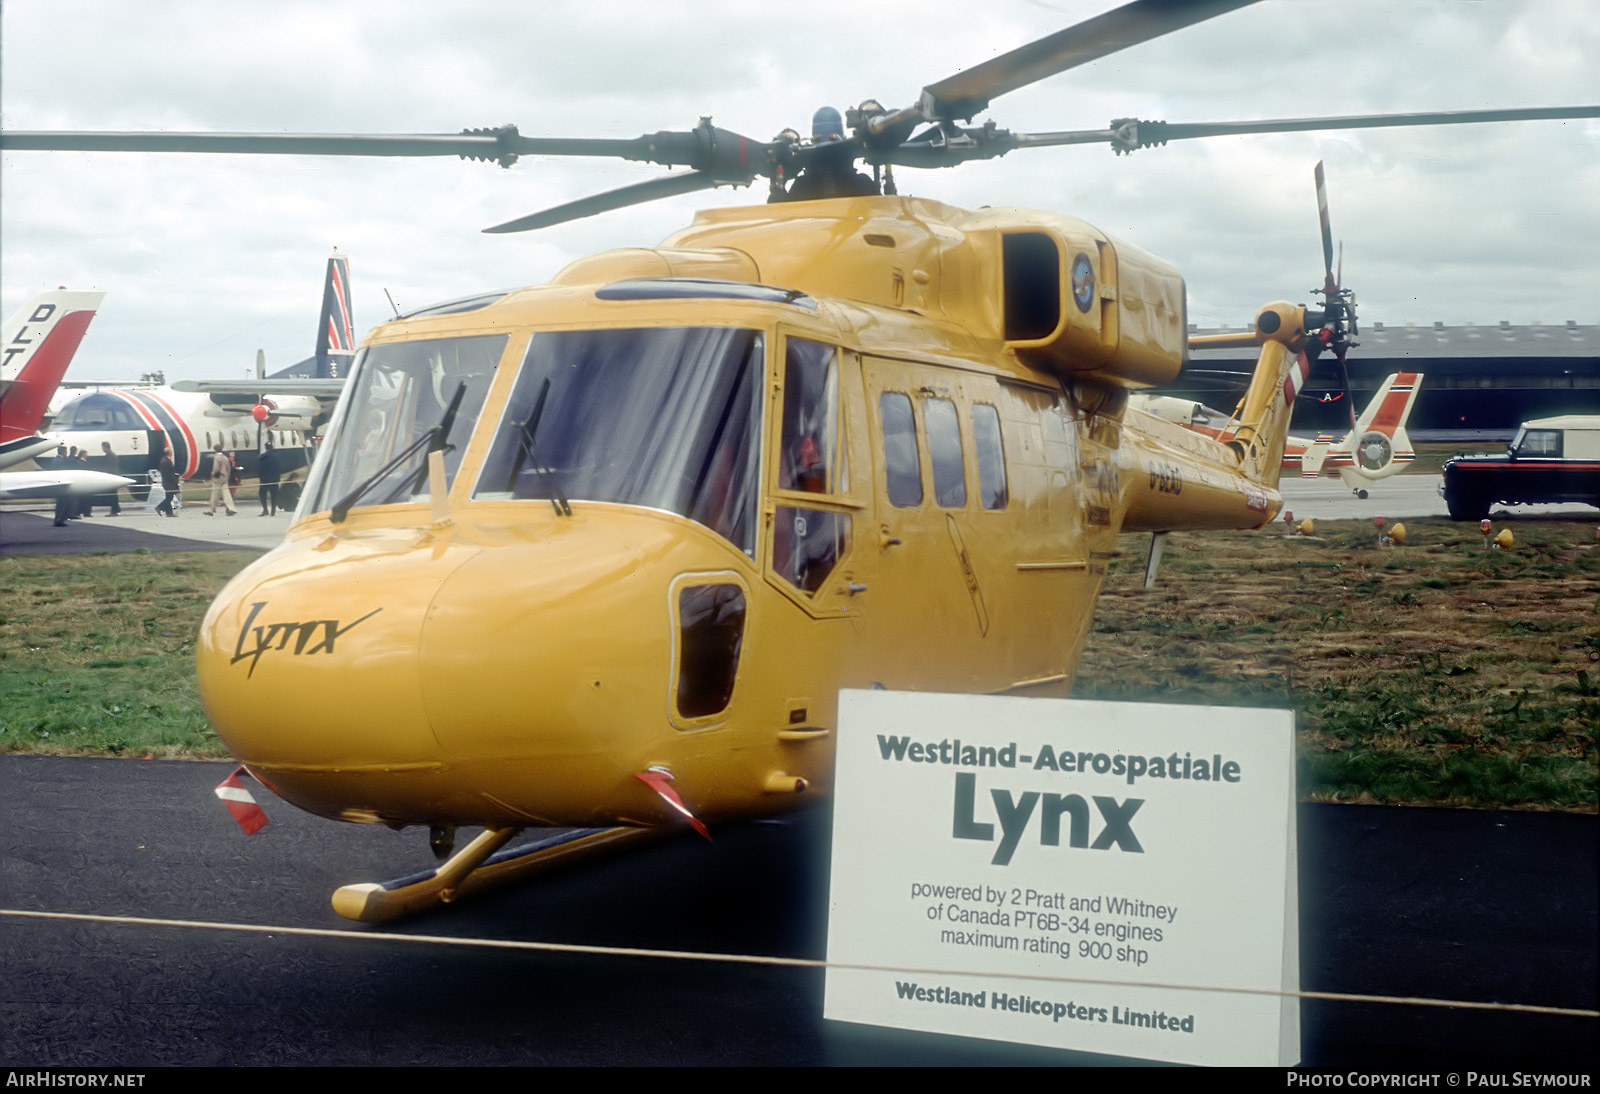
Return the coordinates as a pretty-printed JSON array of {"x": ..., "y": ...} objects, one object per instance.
[{"x": 1191, "y": 481}]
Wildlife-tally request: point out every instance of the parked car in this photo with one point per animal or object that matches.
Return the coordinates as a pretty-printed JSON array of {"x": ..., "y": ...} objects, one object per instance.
[{"x": 1549, "y": 460}]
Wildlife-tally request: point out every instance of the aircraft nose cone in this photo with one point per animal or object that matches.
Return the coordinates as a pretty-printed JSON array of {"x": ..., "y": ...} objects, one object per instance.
[
  {"x": 307, "y": 664},
  {"x": 503, "y": 676}
]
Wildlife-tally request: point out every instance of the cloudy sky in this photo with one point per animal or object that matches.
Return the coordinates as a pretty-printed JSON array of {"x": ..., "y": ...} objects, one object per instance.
[{"x": 206, "y": 258}]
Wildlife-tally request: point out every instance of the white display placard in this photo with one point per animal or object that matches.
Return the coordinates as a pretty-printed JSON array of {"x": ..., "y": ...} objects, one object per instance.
[{"x": 980, "y": 842}]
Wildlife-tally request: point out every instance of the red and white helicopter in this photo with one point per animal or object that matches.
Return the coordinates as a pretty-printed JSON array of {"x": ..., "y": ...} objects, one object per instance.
[{"x": 1375, "y": 449}]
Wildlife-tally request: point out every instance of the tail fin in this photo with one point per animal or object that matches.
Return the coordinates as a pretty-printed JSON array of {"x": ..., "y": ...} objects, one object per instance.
[
  {"x": 38, "y": 343},
  {"x": 1280, "y": 373},
  {"x": 336, "y": 343},
  {"x": 1379, "y": 446}
]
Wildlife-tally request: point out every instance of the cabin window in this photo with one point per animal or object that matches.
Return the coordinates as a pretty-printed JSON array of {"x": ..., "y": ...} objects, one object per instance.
[
  {"x": 944, "y": 451},
  {"x": 902, "y": 465},
  {"x": 663, "y": 417},
  {"x": 992, "y": 488},
  {"x": 398, "y": 393},
  {"x": 810, "y": 418},
  {"x": 710, "y": 635}
]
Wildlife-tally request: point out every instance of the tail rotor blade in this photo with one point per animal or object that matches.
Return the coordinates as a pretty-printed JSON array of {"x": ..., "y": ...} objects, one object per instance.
[{"x": 1349, "y": 399}]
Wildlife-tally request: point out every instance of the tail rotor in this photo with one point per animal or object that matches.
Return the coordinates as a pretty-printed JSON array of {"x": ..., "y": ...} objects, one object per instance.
[{"x": 1336, "y": 322}]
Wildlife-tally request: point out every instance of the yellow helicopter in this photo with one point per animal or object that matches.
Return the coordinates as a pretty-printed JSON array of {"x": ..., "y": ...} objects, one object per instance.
[{"x": 601, "y": 553}]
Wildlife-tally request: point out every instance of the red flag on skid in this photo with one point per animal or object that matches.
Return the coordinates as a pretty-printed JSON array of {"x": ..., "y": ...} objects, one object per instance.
[
  {"x": 661, "y": 783},
  {"x": 239, "y": 802}
]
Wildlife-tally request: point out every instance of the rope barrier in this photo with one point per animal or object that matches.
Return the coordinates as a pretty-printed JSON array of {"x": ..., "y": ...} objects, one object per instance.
[{"x": 784, "y": 962}]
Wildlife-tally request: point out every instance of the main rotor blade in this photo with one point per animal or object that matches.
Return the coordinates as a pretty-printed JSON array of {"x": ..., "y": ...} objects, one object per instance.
[
  {"x": 664, "y": 187},
  {"x": 1161, "y": 132},
  {"x": 486, "y": 144},
  {"x": 702, "y": 148},
  {"x": 969, "y": 91}
]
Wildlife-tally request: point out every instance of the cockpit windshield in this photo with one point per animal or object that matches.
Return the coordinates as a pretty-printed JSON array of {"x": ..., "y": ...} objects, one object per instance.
[
  {"x": 664, "y": 417},
  {"x": 397, "y": 393},
  {"x": 97, "y": 412}
]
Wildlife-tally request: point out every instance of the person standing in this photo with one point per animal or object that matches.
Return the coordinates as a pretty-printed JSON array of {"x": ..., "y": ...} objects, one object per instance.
[
  {"x": 169, "y": 483},
  {"x": 221, "y": 471},
  {"x": 269, "y": 481},
  {"x": 85, "y": 502},
  {"x": 112, "y": 468}
]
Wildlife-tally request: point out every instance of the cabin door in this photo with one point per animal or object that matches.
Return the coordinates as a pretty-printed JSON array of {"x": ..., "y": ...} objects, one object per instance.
[
  {"x": 939, "y": 597},
  {"x": 812, "y": 513}
]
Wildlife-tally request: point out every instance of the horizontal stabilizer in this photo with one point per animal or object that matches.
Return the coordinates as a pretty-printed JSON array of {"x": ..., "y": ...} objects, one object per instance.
[
  {"x": 32, "y": 485},
  {"x": 1311, "y": 460}
]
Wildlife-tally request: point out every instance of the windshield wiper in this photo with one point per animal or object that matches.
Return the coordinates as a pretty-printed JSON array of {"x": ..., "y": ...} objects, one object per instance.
[
  {"x": 525, "y": 448},
  {"x": 436, "y": 439}
]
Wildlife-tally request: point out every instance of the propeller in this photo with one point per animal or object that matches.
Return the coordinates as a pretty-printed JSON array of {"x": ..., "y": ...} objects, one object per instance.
[
  {"x": 260, "y": 411},
  {"x": 1338, "y": 317},
  {"x": 924, "y": 134}
]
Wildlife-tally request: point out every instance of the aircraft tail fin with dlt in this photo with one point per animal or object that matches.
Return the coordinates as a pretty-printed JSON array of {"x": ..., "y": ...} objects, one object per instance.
[{"x": 38, "y": 343}]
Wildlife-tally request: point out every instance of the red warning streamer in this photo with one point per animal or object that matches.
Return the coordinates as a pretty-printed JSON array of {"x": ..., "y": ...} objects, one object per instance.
[
  {"x": 245, "y": 811},
  {"x": 661, "y": 783}
]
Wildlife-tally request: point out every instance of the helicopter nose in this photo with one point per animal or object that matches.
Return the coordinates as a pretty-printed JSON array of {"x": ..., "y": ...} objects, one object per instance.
[
  {"x": 521, "y": 681},
  {"x": 307, "y": 664}
]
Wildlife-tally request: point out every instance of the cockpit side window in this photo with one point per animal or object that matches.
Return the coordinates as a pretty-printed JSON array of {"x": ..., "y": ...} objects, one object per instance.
[
  {"x": 397, "y": 393},
  {"x": 810, "y": 416},
  {"x": 810, "y": 536}
]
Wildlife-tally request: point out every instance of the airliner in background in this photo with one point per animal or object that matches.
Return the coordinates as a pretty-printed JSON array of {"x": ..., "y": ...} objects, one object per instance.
[{"x": 192, "y": 417}]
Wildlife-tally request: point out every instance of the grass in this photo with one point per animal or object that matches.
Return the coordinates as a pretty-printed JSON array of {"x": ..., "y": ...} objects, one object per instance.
[
  {"x": 1436, "y": 673},
  {"x": 97, "y": 652}
]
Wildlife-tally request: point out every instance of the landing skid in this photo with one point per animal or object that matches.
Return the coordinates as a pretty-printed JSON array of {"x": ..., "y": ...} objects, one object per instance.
[{"x": 483, "y": 864}]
